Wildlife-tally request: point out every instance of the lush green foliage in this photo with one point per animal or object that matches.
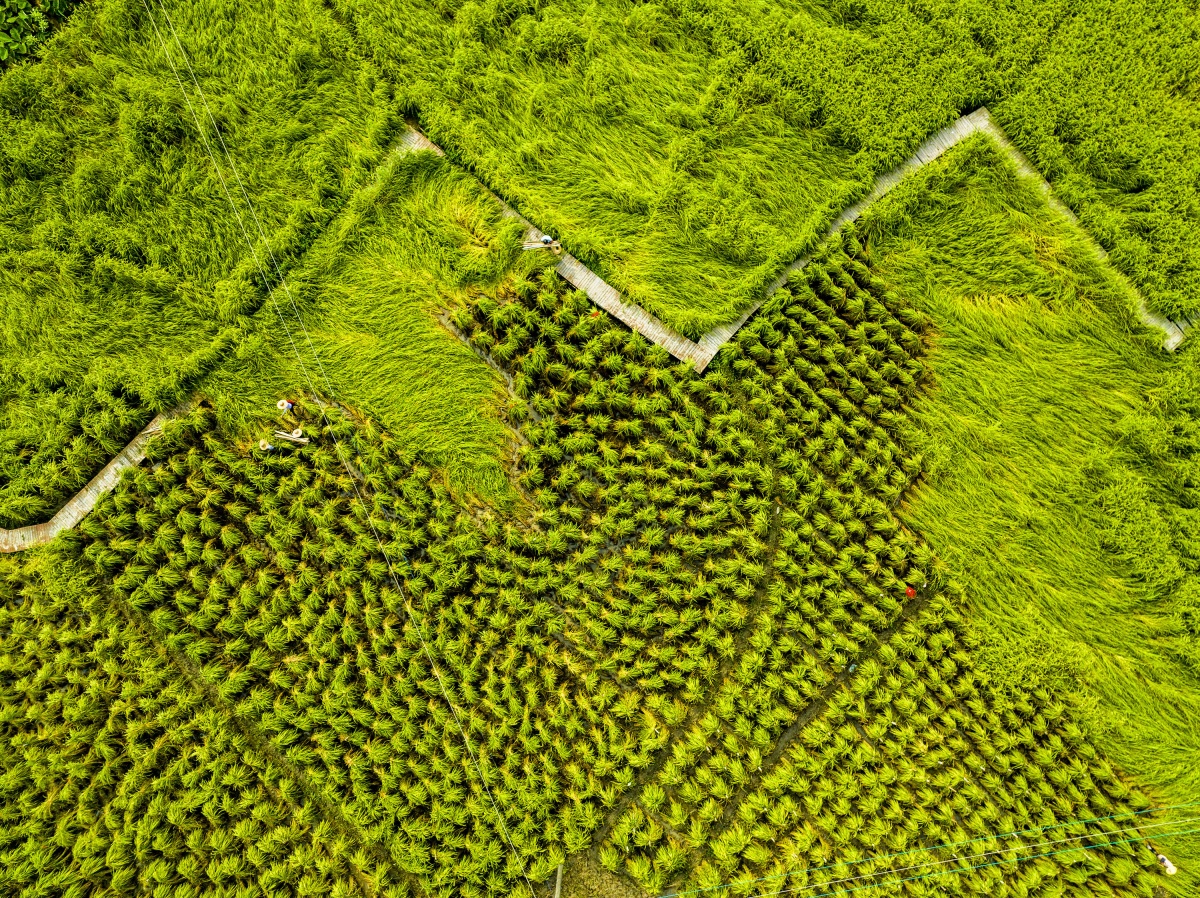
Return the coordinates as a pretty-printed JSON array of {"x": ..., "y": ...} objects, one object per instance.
[
  {"x": 407, "y": 248},
  {"x": 1061, "y": 461},
  {"x": 683, "y": 638},
  {"x": 123, "y": 274},
  {"x": 25, "y": 23},
  {"x": 118, "y": 777},
  {"x": 905, "y": 750},
  {"x": 54, "y": 444},
  {"x": 700, "y": 618},
  {"x": 1110, "y": 115},
  {"x": 689, "y": 148}
]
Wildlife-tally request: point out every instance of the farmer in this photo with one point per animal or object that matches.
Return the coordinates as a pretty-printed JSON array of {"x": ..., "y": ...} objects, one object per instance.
[
  {"x": 1164, "y": 860},
  {"x": 543, "y": 242}
]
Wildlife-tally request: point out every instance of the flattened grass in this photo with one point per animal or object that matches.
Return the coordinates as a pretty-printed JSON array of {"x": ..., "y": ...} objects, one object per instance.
[
  {"x": 1036, "y": 495},
  {"x": 122, "y": 267},
  {"x": 621, "y": 129},
  {"x": 687, "y": 150},
  {"x": 369, "y": 295}
]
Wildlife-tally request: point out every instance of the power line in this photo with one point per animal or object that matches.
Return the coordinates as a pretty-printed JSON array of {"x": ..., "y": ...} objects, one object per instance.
[
  {"x": 417, "y": 625},
  {"x": 884, "y": 857}
]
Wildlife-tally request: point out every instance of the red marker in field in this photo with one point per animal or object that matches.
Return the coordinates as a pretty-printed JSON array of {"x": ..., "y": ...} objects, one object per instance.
[{"x": 910, "y": 592}]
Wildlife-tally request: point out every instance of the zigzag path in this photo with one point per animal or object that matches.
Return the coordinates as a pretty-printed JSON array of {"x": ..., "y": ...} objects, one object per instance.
[
  {"x": 633, "y": 316},
  {"x": 703, "y": 351}
]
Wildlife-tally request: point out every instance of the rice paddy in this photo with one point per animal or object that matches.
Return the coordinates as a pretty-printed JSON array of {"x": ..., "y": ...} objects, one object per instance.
[
  {"x": 898, "y": 597},
  {"x": 1057, "y": 484}
]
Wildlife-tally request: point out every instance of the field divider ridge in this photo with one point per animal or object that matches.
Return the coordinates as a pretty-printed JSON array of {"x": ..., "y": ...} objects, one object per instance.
[
  {"x": 607, "y": 297},
  {"x": 703, "y": 351},
  {"x": 1174, "y": 331},
  {"x": 79, "y": 505},
  {"x": 597, "y": 289}
]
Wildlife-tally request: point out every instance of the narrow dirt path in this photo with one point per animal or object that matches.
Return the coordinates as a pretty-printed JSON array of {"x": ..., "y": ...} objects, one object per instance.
[{"x": 84, "y": 501}]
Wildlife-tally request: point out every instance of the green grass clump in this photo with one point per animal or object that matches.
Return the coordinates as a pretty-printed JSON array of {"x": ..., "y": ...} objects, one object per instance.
[
  {"x": 24, "y": 24},
  {"x": 1060, "y": 444}
]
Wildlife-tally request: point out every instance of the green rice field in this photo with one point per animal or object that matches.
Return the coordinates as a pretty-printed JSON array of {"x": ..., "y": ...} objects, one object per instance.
[{"x": 899, "y": 596}]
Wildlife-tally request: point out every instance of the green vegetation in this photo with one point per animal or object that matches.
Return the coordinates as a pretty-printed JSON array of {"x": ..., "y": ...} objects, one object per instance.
[
  {"x": 123, "y": 275},
  {"x": 26, "y": 23},
  {"x": 409, "y": 246},
  {"x": 118, "y": 777},
  {"x": 1060, "y": 471},
  {"x": 608, "y": 126},
  {"x": 695, "y": 651},
  {"x": 1111, "y": 118},
  {"x": 687, "y": 150},
  {"x": 534, "y": 589}
]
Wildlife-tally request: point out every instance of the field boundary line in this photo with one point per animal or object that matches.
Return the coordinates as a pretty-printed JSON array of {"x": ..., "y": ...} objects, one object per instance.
[
  {"x": 703, "y": 351},
  {"x": 78, "y": 507},
  {"x": 1174, "y": 331},
  {"x": 635, "y": 317},
  {"x": 583, "y": 278},
  {"x": 81, "y": 504}
]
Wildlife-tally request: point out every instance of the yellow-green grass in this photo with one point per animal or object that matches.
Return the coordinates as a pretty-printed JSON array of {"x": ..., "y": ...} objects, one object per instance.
[
  {"x": 685, "y": 149},
  {"x": 123, "y": 268},
  {"x": 359, "y": 321},
  {"x": 1038, "y": 492}
]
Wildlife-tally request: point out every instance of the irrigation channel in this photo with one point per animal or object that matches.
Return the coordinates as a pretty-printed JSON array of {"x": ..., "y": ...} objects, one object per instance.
[{"x": 634, "y": 316}]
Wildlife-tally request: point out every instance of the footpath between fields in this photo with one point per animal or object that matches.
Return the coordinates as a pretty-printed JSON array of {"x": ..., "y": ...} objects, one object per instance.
[{"x": 700, "y": 353}]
